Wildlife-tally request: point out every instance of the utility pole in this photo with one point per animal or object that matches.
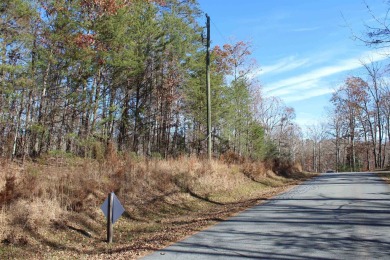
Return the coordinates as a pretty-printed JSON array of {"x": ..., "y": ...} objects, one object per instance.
[{"x": 209, "y": 144}]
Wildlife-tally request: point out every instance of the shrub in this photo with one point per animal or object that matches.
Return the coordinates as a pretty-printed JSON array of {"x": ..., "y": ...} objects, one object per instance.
[
  {"x": 35, "y": 214},
  {"x": 254, "y": 171},
  {"x": 230, "y": 157}
]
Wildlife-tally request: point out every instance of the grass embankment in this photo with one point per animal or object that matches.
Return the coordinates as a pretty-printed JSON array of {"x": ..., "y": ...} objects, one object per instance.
[
  {"x": 385, "y": 175},
  {"x": 51, "y": 208}
]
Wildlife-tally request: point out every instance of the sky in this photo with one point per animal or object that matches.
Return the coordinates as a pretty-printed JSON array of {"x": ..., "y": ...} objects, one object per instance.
[{"x": 304, "y": 49}]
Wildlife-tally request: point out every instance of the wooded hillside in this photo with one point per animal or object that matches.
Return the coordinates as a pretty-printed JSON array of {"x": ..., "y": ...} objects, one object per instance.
[{"x": 77, "y": 75}]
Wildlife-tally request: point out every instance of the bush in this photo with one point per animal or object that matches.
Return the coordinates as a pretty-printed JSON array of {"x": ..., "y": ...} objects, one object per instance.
[
  {"x": 230, "y": 157},
  {"x": 35, "y": 214}
]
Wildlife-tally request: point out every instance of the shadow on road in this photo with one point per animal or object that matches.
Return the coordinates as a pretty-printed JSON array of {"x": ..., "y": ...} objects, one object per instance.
[{"x": 322, "y": 219}]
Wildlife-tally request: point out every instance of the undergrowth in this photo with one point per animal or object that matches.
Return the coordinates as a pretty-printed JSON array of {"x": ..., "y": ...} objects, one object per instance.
[{"x": 56, "y": 201}]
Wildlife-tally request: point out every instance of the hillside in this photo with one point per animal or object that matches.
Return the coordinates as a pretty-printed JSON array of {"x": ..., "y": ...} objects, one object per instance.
[{"x": 51, "y": 207}]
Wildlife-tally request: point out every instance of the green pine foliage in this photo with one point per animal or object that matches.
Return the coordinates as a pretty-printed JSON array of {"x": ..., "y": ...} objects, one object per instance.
[{"x": 75, "y": 74}]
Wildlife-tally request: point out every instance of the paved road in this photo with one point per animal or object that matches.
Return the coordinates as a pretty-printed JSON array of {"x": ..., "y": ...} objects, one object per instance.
[{"x": 334, "y": 216}]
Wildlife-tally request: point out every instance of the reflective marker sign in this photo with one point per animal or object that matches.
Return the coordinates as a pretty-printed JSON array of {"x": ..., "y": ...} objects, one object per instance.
[{"x": 117, "y": 208}]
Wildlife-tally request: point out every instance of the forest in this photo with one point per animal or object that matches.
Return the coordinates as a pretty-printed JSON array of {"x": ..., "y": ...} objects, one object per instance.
[
  {"x": 101, "y": 96},
  {"x": 77, "y": 77}
]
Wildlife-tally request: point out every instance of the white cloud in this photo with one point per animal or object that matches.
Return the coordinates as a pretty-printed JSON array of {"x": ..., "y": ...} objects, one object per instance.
[
  {"x": 307, "y": 94},
  {"x": 309, "y": 84},
  {"x": 305, "y": 29},
  {"x": 286, "y": 64},
  {"x": 316, "y": 74},
  {"x": 313, "y": 83},
  {"x": 305, "y": 119},
  {"x": 305, "y": 90}
]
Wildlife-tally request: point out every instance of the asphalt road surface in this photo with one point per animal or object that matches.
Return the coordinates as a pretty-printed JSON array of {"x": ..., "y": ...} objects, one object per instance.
[{"x": 334, "y": 216}]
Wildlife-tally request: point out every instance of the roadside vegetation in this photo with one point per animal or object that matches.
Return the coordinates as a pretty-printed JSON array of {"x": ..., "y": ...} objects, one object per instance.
[
  {"x": 51, "y": 208},
  {"x": 109, "y": 95},
  {"x": 385, "y": 174}
]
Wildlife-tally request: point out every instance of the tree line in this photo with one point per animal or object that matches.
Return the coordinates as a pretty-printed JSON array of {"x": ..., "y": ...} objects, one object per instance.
[
  {"x": 76, "y": 76},
  {"x": 357, "y": 133}
]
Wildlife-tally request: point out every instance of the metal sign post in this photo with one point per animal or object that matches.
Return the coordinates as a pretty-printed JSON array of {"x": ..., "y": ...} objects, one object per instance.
[
  {"x": 112, "y": 209},
  {"x": 109, "y": 218}
]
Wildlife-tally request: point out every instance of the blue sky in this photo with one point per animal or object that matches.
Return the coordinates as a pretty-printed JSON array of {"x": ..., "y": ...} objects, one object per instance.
[{"x": 304, "y": 48}]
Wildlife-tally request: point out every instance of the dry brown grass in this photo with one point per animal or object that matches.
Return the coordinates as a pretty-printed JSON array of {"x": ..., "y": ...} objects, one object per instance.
[
  {"x": 385, "y": 175},
  {"x": 35, "y": 214},
  {"x": 55, "y": 203}
]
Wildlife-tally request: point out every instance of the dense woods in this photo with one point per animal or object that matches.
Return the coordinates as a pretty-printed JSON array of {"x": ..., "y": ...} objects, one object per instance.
[{"x": 79, "y": 77}]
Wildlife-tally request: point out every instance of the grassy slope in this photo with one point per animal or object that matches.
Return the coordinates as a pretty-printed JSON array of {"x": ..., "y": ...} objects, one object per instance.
[
  {"x": 385, "y": 175},
  {"x": 51, "y": 208}
]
